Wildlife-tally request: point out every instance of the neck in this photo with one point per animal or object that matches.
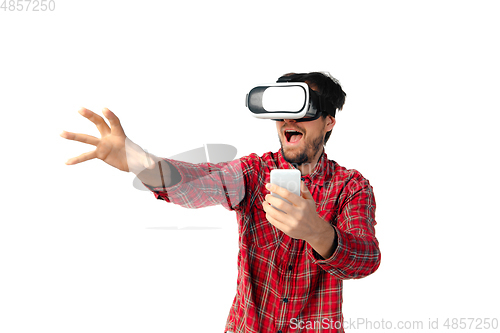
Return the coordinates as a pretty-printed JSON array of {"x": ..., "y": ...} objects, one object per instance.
[{"x": 307, "y": 168}]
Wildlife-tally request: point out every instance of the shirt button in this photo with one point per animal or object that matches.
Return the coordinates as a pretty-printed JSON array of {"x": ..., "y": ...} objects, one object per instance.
[
  {"x": 290, "y": 267},
  {"x": 279, "y": 331},
  {"x": 285, "y": 300}
]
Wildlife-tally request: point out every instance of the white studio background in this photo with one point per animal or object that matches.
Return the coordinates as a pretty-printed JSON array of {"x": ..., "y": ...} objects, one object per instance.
[{"x": 81, "y": 250}]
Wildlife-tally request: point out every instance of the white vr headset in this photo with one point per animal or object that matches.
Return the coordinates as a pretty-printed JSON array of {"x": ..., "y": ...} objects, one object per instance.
[{"x": 287, "y": 100}]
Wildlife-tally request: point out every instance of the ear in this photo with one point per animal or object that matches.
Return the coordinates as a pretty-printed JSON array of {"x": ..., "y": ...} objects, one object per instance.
[{"x": 330, "y": 122}]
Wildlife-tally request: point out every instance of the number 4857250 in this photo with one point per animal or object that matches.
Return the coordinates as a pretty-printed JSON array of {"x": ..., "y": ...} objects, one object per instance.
[{"x": 28, "y": 5}]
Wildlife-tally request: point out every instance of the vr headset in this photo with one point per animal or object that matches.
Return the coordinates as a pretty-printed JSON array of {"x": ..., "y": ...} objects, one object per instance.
[{"x": 285, "y": 100}]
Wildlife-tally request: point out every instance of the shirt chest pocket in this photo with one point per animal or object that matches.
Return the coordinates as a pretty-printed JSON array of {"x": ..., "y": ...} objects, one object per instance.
[{"x": 260, "y": 233}]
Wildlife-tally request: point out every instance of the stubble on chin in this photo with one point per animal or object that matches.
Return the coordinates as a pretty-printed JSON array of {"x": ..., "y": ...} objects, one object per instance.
[{"x": 297, "y": 160}]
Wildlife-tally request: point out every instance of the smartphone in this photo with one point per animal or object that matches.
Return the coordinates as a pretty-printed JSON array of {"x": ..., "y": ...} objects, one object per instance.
[{"x": 286, "y": 178}]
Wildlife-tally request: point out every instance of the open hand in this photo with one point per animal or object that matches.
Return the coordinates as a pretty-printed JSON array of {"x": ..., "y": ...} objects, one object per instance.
[{"x": 110, "y": 147}]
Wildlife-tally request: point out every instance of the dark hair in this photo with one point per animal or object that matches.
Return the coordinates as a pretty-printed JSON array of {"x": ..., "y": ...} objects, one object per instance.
[{"x": 326, "y": 86}]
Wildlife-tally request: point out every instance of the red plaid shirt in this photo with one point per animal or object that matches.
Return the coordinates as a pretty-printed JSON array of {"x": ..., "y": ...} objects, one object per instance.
[{"x": 283, "y": 284}]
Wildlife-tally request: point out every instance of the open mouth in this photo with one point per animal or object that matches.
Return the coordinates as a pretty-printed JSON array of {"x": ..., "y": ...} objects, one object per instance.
[{"x": 293, "y": 136}]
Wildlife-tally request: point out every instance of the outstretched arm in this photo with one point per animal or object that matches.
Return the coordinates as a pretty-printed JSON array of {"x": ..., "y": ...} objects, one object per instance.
[{"x": 120, "y": 152}]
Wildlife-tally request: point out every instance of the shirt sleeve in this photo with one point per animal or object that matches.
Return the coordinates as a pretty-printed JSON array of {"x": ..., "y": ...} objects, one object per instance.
[
  {"x": 357, "y": 254},
  {"x": 205, "y": 184}
]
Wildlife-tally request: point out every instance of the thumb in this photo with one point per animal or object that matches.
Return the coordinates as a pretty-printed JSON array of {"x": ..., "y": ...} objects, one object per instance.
[{"x": 304, "y": 191}]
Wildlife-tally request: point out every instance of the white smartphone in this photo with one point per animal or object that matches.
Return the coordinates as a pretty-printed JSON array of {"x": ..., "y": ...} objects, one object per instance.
[{"x": 286, "y": 178}]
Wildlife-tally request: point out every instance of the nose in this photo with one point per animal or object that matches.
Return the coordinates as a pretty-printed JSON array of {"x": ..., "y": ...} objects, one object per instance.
[{"x": 289, "y": 121}]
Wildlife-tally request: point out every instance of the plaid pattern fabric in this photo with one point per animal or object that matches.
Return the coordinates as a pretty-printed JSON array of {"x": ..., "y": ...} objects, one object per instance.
[{"x": 283, "y": 285}]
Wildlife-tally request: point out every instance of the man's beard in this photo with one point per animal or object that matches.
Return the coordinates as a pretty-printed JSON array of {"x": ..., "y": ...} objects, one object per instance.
[{"x": 302, "y": 157}]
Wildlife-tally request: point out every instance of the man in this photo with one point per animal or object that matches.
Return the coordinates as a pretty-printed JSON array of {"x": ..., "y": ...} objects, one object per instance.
[{"x": 293, "y": 256}]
